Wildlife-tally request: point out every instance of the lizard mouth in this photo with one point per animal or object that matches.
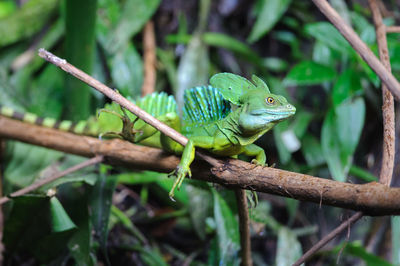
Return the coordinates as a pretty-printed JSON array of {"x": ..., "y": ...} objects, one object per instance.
[{"x": 279, "y": 113}]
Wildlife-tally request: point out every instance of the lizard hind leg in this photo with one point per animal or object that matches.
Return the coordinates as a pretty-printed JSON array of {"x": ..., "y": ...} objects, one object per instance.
[{"x": 128, "y": 131}]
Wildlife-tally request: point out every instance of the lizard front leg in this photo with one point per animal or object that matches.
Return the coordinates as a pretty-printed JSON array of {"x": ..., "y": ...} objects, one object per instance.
[
  {"x": 253, "y": 150},
  {"x": 183, "y": 168}
]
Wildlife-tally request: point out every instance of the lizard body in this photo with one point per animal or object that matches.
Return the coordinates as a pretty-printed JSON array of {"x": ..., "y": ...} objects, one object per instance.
[{"x": 225, "y": 119}]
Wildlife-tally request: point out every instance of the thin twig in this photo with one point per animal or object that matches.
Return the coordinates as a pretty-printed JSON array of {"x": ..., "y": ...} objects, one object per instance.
[
  {"x": 371, "y": 198},
  {"x": 388, "y": 151},
  {"x": 2, "y": 153},
  {"x": 359, "y": 46},
  {"x": 149, "y": 58},
  {"x": 42, "y": 182},
  {"x": 113, "y": 95},
  {"x": 328, "y": 238},
  {"x": 393, "y": 29},
  {"x": 244, "y": 227}
]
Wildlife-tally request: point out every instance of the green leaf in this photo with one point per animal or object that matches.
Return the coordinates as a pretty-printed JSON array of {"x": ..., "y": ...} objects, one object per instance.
[
  {"x": 200, "y": 204},
  {"x": 135, "y": 13},
  {"x": 356, "y": 249},
  {"x": 60, "y": 220},
  {"x": 365, "y": 29},
  {"x": 289, "y": 247},
  {"x": 350, "y": 117},
  {"x": 331, "y": 148},
  {"x": 395, "y": 222},
  {"x": 193, "y": 69},
  {"x": 227, "y": 232},
  {"x": 340, "y": 134},
  {"x": 326, "y": 33},
  {"x": 167, "y": 59},
  {"x": 311, "y": 150},
  {"x": 26, "y": 164},
  {"x": 100, "y": 205},
  {"x": 26, "y": 21},
  {"x": 7, "y": 8},
  {"x": 309, "y": 73},
  {"x": 283, "y": 152},
  {"x": 80, "y": 22},
  {"x": 29, "y": 228},
  {"x": 80, "y": 242},
  {"x": 348, "y": 84},
  {"x": 127, "y": 71},
  {"x": 362, "y": 174},
  {"x": 271, "y": 12},
  {"x": 220, "y": 40},
  {"x": 261, "y": 214},
  {"x": 232, "y": 44}
]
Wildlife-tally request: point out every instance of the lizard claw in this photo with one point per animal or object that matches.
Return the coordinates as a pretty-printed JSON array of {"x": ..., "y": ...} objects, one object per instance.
[
  {"x": 254, "y": 161},
  {"x": 180, "y": 172}
]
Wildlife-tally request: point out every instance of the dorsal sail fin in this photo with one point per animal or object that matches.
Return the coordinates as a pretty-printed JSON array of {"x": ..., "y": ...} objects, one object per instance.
[{"x": 204, "y": 105}]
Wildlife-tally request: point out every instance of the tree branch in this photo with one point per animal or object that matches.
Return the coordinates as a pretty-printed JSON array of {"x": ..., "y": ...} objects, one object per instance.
[
  {"x": 329, "y": 237},
  {"x": 359, "y": 46},
  {"x": 372, "y": 198},
  {"x": 42, "y": 182},
  {"x": 244, "y": 227},
  {"x": 149, "y": 58},
  {"x": 388, "y": 151}
]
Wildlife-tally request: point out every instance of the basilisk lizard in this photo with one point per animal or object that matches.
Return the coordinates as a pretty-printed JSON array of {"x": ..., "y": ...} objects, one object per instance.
[{"x": 225, "y": 119}]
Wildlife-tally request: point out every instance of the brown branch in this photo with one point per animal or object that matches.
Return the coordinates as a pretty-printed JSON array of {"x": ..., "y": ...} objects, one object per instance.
[
  {"x": 388, "y": 151},
  {"x": 359, "y": 46},
  {"x": 328, "y": 238},
  {"x": 372, "y": 198},
  {"x": 2, "y": 168},
  {"x": 244, "y": 227},
  {"x": 42, "y": 182},
  {"x": 149, "y": 58},
  {"x": 113, "y": 95},
  {"x": 393, "y": 29}
]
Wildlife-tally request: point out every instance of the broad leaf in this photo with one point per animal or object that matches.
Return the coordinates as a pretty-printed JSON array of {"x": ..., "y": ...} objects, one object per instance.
[
  {"x": 127, "y": 70},
  {"x": 289, "y": 247},
  {"x": 193, "y": 69},
  {"x": 60, "y": 220},
  {"x": 135, "y": 14},
  {"x": 326, "y": 33},
  {"x": 100, "y": 205},
  {"x": 340, "y": 134},
  {"x": 227, "y": 232},
  {"x": 200, "y": 204},
  {"x": 348, "y": 84},
  {"x": 271, "y": 12},
  {"x": 309, "y": 73}
]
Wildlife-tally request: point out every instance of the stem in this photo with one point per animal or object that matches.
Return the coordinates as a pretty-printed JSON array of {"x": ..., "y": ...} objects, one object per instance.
[
  {"x": 42, "y": 182},
  {"x": 244, "y": 227}
]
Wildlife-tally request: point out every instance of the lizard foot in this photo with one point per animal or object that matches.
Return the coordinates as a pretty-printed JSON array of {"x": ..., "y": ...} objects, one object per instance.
[
  {"x": 180, "y": 172},
  {"x": 254, "y": 161}
]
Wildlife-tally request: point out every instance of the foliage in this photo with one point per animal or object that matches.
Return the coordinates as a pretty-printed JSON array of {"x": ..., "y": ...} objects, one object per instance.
[{"x": 287, "y": 43}]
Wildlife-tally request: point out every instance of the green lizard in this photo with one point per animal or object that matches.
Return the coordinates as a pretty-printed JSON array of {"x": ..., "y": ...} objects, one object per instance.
[{"x": 225, "y": 119}]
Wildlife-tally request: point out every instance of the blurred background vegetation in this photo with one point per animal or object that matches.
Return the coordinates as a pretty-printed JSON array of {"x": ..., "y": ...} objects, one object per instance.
[{"x": 107, "y": 215}]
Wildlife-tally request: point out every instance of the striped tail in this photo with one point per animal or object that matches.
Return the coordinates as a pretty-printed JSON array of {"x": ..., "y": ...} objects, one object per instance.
[{"x": 84, "y": 127}]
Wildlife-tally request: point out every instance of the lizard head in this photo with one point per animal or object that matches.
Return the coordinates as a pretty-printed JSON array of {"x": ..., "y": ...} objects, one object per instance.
[{"x": 259, "y": 109}]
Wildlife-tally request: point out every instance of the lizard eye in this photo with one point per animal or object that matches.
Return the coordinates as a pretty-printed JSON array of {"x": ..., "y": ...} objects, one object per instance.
[{"x": 270, "y": 100}]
